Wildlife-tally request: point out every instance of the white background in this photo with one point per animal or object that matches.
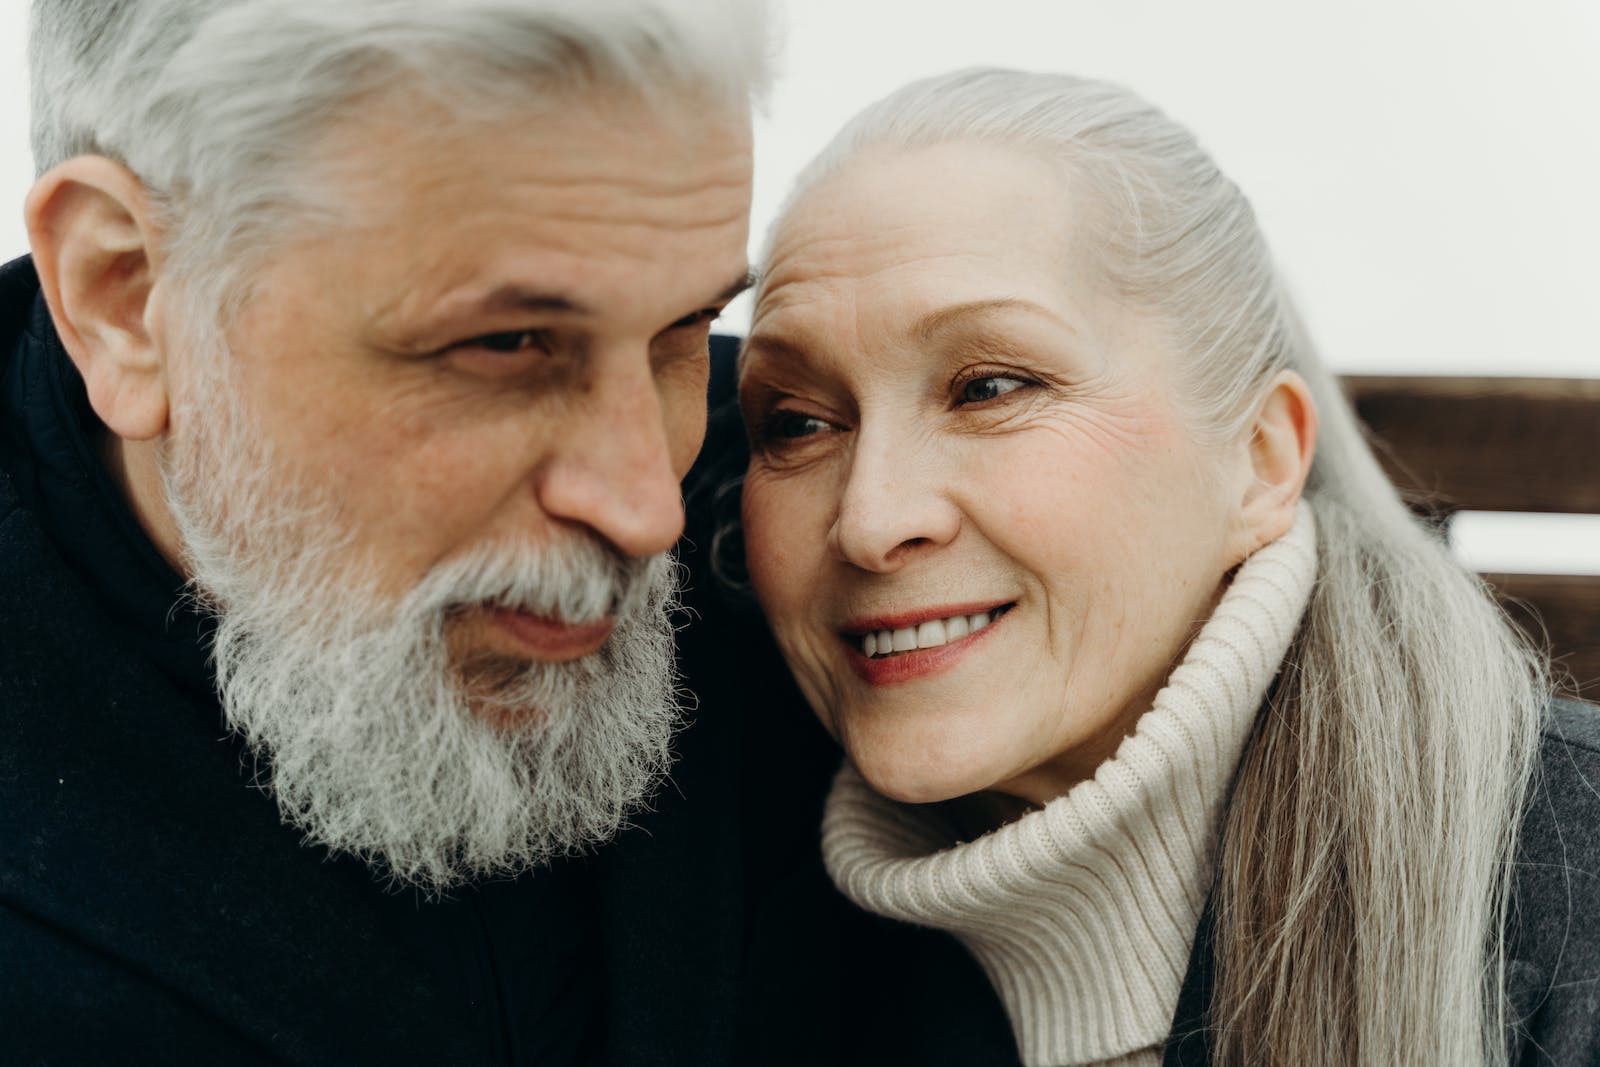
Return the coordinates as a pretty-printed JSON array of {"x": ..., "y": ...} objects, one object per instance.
[{"x": 1428, "y": 171}]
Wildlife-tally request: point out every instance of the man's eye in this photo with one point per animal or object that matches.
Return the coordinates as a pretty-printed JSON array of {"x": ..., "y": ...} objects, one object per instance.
[
  {"x": 978, "y": 390},
  {"x": 704, "y": 315},
  {"x": 512, "y": 342},
  {"x": 790, "y": 425}
]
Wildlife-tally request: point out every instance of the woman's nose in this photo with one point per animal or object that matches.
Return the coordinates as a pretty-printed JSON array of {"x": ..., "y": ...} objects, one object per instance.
[{"x": 895, "y": 504}]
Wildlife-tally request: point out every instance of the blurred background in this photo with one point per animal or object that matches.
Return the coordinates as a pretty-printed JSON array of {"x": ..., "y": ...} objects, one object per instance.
[{"x": 1426, "y": 170}]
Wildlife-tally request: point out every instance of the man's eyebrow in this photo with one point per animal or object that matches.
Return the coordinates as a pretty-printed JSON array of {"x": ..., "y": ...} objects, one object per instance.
[
  {"x": 934, "y": 323},
  {"x": 517, "y": 298}
]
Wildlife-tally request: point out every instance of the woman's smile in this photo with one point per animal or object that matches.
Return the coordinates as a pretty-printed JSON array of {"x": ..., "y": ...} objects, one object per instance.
[{"x": 888, "y": 649}]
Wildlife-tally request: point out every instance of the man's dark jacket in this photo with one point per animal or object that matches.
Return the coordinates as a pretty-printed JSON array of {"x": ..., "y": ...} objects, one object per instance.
[{"x": 153, "y": 907}]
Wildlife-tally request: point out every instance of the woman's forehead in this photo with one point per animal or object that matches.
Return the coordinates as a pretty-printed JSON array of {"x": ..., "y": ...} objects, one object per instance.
[
  {"x": 977, "y": 220},
  {"x": 882, "y": 188}
]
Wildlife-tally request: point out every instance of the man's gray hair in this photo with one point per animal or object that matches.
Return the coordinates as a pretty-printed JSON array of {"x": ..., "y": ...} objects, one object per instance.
[{"x": 215, "y": 104}]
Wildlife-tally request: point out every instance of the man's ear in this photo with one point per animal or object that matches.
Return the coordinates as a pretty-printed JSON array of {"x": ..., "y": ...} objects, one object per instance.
[
  {"x": 1283, "y": 437},
  {"x": 94, "y": 246}
]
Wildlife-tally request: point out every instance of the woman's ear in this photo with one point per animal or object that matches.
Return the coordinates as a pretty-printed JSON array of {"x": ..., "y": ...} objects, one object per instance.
[
  {"x": 1283, "y": 437},
  {"x": 90, "y": 228}
]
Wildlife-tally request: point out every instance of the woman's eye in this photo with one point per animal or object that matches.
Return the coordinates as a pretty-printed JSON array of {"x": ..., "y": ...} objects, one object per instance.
[{"x": 977, "y": 390}]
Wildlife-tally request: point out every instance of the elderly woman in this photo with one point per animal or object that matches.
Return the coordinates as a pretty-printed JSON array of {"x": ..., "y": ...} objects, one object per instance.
[{"x": 1153, "y": 693}]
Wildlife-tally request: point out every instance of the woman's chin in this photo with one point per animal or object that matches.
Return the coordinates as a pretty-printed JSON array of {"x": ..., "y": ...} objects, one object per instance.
[{"x": 918, "y": 782}]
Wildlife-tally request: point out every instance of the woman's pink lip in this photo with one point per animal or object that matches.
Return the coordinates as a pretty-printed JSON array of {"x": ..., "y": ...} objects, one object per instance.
[
  {"x": 552, "y": 640},
  {"x": 921, "y": 663},
  {"x": 907, "y": 619}
]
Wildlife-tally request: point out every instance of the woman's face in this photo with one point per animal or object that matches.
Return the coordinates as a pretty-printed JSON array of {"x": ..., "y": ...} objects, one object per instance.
[{"x": 962, "y": 443}]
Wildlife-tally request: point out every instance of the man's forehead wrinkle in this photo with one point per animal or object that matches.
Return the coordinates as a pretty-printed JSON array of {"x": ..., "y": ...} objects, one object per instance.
[
  {"x": 585, "y": 134},
  {"x": 574, "y": 221},
  {"x": 460, "y": 228},
  {"x": 609, "y": 180},
  {"x": 640, "y": 186},
  {"x": 545, "y": 262},
  {"x": 664, "y": 218},
  {"x": 554, "y": 168}
]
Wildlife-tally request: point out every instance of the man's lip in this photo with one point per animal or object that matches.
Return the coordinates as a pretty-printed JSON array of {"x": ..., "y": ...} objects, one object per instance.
[
  {"x": 906, "y": 619},
  {"x": 551, "y": 640}
]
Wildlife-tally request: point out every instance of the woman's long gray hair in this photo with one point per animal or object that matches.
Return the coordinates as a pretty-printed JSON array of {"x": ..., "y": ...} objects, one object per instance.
[{"x": 1364, "y": 870}]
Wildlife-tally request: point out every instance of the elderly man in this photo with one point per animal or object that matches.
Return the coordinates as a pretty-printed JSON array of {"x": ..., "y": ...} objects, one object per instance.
[{"x": 347, "y": 394}]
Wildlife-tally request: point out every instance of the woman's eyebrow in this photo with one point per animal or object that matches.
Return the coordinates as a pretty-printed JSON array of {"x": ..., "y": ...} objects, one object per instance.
[
  {"x": 930, "y": 326},
  {"x": 770, "y": 346}
]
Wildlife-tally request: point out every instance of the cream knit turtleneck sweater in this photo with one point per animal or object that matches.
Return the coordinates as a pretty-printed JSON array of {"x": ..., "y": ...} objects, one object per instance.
[{"x": 1083, "y": 912}]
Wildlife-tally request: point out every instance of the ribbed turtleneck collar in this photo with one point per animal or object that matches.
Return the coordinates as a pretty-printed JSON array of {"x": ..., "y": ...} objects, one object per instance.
[{"x": 1083, "y": 912}]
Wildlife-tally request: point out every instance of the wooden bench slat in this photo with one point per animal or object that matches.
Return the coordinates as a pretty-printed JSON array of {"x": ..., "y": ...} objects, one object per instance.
[
  {"x": 1489, "y": 444},
  {"x": 1567, "y": 608},
  {"x": 1502, "y": 444}
]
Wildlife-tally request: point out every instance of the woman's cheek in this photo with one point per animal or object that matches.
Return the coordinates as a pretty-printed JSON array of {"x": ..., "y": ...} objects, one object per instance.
[
  {"x": 781, "y": 581},
  {"x": 806, "y": 651},
  {"x": 764, "y": 545}
]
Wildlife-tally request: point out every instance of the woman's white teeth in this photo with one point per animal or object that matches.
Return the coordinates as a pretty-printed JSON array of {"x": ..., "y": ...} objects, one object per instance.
[{"x": 930, "y": 634}]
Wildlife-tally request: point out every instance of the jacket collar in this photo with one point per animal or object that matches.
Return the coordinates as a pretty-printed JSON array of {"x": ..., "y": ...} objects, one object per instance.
[{"x": 51, "y": 448}]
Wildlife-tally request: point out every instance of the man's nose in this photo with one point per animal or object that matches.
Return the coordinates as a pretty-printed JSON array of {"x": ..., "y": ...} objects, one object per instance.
[
  {"x": 894, "y": 503},
  {"x": 613, "y": 469}
]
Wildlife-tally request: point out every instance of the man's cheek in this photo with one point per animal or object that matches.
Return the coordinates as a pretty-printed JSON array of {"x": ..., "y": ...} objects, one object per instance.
[{"x": 686, "y": 429}]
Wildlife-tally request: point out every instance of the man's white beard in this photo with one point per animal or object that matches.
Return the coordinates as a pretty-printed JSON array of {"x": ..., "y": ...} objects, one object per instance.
[{"x": 371, "y": 738}]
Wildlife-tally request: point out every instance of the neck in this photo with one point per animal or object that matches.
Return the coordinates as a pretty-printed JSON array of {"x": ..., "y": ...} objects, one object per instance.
[{"x": 135, "y": 466}]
